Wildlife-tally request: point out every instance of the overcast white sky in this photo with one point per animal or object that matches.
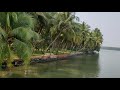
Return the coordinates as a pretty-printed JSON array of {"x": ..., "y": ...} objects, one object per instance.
[{"x": 107, "y": 22}]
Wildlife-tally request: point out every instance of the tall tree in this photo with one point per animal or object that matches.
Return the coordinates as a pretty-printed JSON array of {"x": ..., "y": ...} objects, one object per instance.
[{"x": 16, "y": 35}]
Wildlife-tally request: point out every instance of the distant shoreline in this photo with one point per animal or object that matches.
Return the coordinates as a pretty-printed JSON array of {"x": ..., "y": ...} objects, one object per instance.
[{"x": 110, "y": 48}]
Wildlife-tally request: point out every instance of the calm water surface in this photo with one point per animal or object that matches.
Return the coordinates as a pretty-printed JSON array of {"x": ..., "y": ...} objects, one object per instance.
[{"x": 104, "y": 65}]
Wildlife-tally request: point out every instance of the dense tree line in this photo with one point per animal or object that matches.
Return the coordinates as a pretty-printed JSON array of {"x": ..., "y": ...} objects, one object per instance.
[{"x": 24, "y": 33}]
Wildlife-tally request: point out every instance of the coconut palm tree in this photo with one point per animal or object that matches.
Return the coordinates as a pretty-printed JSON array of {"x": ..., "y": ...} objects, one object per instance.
[
  {"x": 16, "y": 34},
  {"x": 98, "y": 38},
  {"x": 63, "y": 28},
  {"x": 85, "y": 29}
]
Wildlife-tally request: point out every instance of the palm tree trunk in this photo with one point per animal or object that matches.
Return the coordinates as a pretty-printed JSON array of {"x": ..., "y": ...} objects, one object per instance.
[
  {"x": 10, "y": 57},
  {"x": 53, "y": 41}
]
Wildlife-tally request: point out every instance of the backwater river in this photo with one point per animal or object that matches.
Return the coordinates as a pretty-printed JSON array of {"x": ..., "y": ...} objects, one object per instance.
[{"x": 106, "y": 64}]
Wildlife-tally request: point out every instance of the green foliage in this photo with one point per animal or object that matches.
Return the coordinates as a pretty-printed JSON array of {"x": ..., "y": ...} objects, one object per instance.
[
  {"x": 16, "y": 36},
  {"x": 21, "y": 33},
  {"x": 23, "y": 50},
  {"x": 64, "y": 27}
]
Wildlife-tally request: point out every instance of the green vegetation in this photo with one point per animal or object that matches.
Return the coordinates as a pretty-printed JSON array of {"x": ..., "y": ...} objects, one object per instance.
[{"x": 23, "y": 34}]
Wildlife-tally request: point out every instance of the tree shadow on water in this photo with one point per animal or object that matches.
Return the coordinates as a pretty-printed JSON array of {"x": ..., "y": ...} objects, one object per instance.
[{"x": 85, "y": 66}]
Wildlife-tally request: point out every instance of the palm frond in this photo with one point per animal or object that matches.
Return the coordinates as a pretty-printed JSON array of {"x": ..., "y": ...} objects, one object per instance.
[
  {"x": 25, "y": 34},
  {"x": 3, "y": 34},
  {"x": 24, "y": 20},
  {"x": 14, "y": 16},
  {"x": 22, "y": 49}
]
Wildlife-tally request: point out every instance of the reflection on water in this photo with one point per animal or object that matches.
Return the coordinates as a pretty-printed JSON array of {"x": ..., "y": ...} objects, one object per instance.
[{"x": 79, "y": 67}]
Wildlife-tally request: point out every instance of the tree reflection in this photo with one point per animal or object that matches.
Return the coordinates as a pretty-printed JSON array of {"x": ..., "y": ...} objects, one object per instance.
[
  {"x": 79, "y": 67},
  {"x": 86, "y": 66}
]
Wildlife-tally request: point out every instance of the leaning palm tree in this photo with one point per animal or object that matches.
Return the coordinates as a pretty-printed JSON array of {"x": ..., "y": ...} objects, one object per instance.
[
  {"x": 16, "y": 34},
  {"x": 62, "y": 28},
  {"x": 85, "y": 30}
]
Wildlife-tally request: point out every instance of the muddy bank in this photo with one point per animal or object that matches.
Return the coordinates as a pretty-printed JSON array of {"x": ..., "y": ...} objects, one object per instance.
[
  {"x": 50, "y": 58},
  {"x": 45, "y": 58}
]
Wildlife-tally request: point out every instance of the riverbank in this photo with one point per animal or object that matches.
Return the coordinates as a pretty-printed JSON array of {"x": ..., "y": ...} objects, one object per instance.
[{"x": 46, "y": 58}]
